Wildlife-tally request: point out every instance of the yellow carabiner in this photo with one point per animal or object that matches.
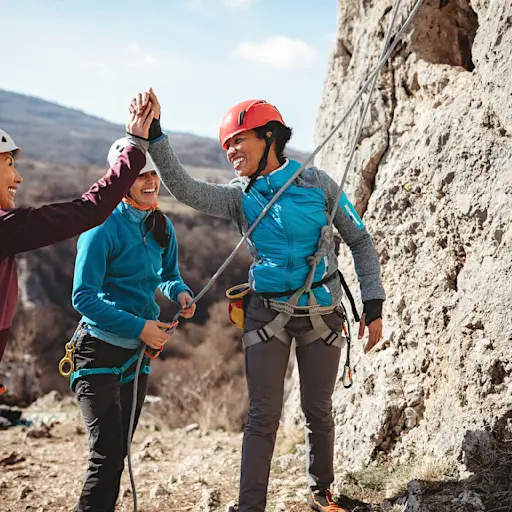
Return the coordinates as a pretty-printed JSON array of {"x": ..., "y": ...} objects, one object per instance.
[{"x": 67, "y": 359}]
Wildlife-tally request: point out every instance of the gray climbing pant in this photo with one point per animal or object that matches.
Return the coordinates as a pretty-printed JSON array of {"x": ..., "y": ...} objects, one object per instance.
[{"x": 266, "y": 365}]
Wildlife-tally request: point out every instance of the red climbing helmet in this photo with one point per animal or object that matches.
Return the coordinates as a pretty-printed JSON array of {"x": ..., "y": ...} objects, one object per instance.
[{"x": 247, "y": 115}]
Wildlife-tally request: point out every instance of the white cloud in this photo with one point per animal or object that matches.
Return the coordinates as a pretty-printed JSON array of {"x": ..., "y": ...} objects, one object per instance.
[
  {"x": 238, "y": 4},
  {"x": 133, "y": 47},
  {"x": 136, "y": 56},
  {"x": 278, "y": 52}
]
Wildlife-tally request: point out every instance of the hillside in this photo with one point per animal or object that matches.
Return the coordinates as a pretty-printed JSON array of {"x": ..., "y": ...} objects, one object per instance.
[{"x": 53, "y": 133}]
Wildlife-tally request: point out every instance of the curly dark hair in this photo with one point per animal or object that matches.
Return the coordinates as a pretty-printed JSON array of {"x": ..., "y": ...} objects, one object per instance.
[{"x": 282, "y": 134}]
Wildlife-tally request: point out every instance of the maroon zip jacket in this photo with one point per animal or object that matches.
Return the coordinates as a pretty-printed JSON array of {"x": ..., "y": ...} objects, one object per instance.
[{"x": 23, "y": 229}]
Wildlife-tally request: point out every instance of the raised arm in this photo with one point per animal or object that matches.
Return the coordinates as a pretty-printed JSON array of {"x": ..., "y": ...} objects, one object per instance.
[
  {"x": 23, "y": 229},
  {"x": 212, "y": 199},
  {"x": 209, "y": 198}
]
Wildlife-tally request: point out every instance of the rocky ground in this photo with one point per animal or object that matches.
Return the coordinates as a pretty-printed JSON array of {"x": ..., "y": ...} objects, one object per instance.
[{"x": 41, "y": 466}]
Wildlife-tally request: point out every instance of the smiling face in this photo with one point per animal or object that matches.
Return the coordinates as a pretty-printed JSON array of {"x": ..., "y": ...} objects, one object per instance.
[
  {"x": 9, "y": 180},
  {"x": 244, "y": 152},
  {"x": 145, "y": 188}
]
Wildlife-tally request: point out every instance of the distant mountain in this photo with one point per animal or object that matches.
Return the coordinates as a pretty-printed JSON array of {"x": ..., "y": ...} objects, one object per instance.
[{"x": 53, "y": 133}]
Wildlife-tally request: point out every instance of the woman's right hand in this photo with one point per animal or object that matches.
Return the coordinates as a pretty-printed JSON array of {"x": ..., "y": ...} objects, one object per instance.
[
  {"x": 153, "y": 335},
  {"x": 140, "y": 102},
  {"x": 139, "y": 124}
]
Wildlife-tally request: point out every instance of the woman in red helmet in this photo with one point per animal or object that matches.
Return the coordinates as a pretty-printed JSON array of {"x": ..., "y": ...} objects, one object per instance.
[{"x": 254, "y": 135}]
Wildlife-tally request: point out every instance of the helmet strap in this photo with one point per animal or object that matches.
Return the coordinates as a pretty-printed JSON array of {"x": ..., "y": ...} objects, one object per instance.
[{"x": 269, "y": 139}]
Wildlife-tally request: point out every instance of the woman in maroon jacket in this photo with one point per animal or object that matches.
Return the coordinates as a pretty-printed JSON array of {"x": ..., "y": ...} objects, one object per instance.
[{"x": 23, "y": 229}]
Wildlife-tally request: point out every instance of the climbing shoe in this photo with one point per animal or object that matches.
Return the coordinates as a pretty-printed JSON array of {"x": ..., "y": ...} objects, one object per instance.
[
  {"x": 323, "y": 502},
  {"x": 3, "y": 389}
]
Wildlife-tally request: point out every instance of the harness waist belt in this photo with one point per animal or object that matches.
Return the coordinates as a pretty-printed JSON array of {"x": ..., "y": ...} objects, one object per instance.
[
  {"x": 325, "y": 280},
  {"x": 294, "y": 310}
]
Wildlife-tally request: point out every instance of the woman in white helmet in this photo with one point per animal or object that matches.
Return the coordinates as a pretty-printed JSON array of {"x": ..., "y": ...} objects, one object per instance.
[
  {"x": 119, "y": 266},
  {"x": 23, "y": 229}
]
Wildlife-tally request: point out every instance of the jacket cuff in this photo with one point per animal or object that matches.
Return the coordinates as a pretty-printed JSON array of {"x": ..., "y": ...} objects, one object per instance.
[
  {"x": 372, "y": 310},
  {"x": 155, "y": 130},
  {"x": 181, "y": 289},
  {"x": 133, "y": 140}
]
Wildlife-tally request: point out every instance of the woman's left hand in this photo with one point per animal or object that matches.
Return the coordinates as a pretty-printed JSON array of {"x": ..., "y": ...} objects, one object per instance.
[
  {"x": 375, "y": 330},
  {"x": 184, "y": 299},
  {"x": 139, "y": 103}
]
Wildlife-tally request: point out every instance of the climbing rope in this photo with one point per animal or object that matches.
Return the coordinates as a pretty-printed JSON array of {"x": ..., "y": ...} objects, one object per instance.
[{"x": 370, "y": 82}]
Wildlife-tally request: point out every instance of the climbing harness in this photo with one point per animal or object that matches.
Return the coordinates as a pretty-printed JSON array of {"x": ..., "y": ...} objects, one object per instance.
[
  {"x": 325, "y": 239},
  {"x": 123, "y": 379},
  {"x": 121, "y": 371}
]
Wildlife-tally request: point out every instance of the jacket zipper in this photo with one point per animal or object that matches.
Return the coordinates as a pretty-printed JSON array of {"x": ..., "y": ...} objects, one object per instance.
[
  {"x": 289, "y": 240},
  {"x": 287, "y": 283},
  {"x": 147, "y": 261}
]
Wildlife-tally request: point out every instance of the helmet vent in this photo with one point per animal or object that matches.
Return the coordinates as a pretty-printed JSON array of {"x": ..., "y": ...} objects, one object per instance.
[{"x": 4, "y": 139}]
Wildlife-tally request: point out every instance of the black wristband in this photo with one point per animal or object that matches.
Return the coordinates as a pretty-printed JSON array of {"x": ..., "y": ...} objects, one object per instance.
[
  {"x": 155, "y": 130},
  {"x": 372, "y": 310}
]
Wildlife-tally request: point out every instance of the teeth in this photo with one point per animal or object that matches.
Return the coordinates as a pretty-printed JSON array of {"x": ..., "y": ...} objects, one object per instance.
[
  {"x": 12, "y": 190},
  {"x": 236, "y": 161},
  {"x": 148, "y": 190}
]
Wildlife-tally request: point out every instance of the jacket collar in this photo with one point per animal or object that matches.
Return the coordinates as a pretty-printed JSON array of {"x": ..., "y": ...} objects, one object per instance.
[{"x": 130, "y": 213}]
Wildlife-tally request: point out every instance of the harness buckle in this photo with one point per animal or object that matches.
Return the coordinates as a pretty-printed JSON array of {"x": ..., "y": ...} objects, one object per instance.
[
  {"x": 333, "y": 336},
  {"x": 263, "y": 335}
]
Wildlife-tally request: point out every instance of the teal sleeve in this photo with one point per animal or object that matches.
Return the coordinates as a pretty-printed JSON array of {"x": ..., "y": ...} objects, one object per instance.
[{"x": 172, "y": 284}]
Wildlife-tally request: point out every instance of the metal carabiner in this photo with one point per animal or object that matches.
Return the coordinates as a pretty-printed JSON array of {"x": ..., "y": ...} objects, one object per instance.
[
  {"x": 67, "y": 359},
  {"x": 348, "y": 377}
]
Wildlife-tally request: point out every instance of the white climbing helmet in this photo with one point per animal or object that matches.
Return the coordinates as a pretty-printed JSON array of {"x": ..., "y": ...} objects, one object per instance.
[
  {"x": 118, "y": 147},
  {"x": 7, "y": 145}
]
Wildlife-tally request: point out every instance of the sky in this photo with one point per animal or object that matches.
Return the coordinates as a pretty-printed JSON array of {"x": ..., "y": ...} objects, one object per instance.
[{"x": 200, "y": 56}]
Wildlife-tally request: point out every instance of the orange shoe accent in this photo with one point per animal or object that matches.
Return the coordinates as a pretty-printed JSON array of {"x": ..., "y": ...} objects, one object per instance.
[
  {"x": 3, "y": 389},
  {"x": 324, "y": 504}
]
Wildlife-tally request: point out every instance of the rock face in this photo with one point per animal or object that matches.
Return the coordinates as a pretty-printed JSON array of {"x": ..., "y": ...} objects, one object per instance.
[{"x": 432, "y": 176}]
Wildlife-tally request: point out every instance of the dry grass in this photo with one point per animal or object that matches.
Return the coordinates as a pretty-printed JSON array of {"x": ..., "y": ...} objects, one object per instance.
[
  {"x": 203, "y": 382},
  {"x": 426, "y": 470},
  {"x": 493, "y": 481},
  {"x": 384, "y": 480},
  {"x": 439, "y": 481},
  {"x": 288, "y": 438}
]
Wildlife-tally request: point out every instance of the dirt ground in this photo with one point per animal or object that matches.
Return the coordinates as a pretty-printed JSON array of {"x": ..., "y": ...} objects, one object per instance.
[{"x": 41, "y": 467}]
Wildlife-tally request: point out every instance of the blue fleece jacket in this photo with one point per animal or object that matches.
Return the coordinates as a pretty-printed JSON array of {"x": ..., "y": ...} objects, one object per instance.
[{"x": 119, "y": 266}]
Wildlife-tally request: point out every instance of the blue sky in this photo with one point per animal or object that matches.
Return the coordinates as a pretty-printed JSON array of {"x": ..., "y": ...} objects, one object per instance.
[{"x": 200, "y": 56}]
